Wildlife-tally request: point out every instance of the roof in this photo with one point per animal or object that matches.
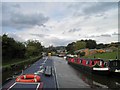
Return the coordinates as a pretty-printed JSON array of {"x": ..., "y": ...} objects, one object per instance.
[
  {"x": 114, "y": 60},
  {"x": 92, "y": 59}
]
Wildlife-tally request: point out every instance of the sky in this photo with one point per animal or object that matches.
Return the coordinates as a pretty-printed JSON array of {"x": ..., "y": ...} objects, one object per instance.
[{"x": 60, "y": 23}]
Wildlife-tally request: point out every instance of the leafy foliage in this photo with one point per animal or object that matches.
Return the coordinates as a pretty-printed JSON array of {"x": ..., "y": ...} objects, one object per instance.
[
  {"x": 33, "y": 48},
  {"x": 91, "y": 44},
  {"x": 80, "y": 45},
  {"x": 12, "y": 49},
  {"x": 71, "y": 47}
]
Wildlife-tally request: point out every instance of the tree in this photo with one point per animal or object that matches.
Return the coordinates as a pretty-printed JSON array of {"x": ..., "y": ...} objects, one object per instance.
[
  {"x": 33, "y": 48},
  {"x": 91, "y": 44},
  {"x": 71, "y": 47},
  {"x": 20, "y": 50},
  {"x": 7, "y": 47},
  {"x": 80, "y": 45},
  {"x": 12, "y": 49},
  {"x": 100, "y": 46}
]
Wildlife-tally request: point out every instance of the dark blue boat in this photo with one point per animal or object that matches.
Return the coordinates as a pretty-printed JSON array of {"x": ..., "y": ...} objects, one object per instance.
[
  {"x": 35, "y": 69},
  {"x": 114, "y": 66}
]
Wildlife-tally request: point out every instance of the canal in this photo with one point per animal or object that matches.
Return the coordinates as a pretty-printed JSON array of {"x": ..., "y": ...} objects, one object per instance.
[
  {"x": 72, "y": 77},
  {"x": 67, "y": 76}
]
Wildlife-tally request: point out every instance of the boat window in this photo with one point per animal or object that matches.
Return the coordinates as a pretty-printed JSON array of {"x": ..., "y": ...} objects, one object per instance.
[
  {"x": 76, "y": 60},
  {"x": 80, "y": 61},
  {"x": 92, "y": 62},
  {"x": 116, "y": 63},
  {"x": 100, "y": 63},
  {"x": 87, "y": 62},
  {"x": 105, "y": 63}
]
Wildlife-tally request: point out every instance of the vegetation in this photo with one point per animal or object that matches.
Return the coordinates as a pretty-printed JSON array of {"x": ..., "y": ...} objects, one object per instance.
[
  {"x": 81, "y": 44},
  {"x": 11, "y": 48},
  {"x": 33, "y": 48},
  {"x": 20, "y": 61},
  {"x": 105, "y": 56},
  {"x": 14, "y": 51},
  {"x": 90, "y": 44},
  {"x": 70, "y": 48}
]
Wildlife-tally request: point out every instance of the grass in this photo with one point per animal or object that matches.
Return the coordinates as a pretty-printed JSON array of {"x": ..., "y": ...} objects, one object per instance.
[
  {"x": 106, "y": 56},
  {"x": 20, "y": 61}
]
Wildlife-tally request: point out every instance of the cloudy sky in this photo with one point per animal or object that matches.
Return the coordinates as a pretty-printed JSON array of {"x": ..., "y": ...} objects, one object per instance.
[{"x": 59, "y": 23}]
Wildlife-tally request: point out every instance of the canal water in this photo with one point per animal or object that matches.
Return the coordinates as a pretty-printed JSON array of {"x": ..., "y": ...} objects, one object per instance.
[{"x": 72, "y": 77}]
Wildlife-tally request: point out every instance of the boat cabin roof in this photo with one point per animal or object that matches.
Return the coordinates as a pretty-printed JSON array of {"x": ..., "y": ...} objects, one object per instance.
[
  {"x": 92, "y": 59},
  {"x": 114, "y": 60}
]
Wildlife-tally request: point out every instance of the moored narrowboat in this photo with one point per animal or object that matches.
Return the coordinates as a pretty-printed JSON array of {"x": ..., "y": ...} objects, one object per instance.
[
  {"x": 114, "y": 66},
  {"x": 92, "y": 65}
]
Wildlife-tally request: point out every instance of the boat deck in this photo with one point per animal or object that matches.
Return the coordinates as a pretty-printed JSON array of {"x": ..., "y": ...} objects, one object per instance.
[{"x": 36, "y": 68}]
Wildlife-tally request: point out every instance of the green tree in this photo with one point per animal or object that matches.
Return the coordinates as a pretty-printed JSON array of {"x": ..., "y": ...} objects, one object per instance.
[
  {"x": 100, "y": 46},
  {"x": 91, "y": 44},
  {"x": 19, "y": 50},
  {"x": 71, "y": 47},
  {"x": 33, "y": 48},
  {"x": 80, "y": 45},
  {"x": 12, "y": 49},
  {"x": 7, "y": 47}
]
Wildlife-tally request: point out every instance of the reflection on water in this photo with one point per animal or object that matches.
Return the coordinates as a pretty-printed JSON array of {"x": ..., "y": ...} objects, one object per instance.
[{"x": 98, "y": 81}]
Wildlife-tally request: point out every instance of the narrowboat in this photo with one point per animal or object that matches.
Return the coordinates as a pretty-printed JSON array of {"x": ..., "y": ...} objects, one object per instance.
[
  {"x": 90, "y": 65},
  {"x": 114, "y": 66},
  {"x": 24, "y": 82}
]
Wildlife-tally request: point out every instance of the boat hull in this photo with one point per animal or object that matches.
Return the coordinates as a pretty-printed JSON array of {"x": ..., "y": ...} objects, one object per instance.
[
  {"x": 115, "y": 72},
  {"x": 114, "y": 66},
  {"x": 90, "y": 69}
]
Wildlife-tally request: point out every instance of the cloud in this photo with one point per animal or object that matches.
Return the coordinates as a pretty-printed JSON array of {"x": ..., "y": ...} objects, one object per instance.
[
  {"x": 60, "y": 0},
  {"x": 12, "y": 17},
  {"x": 61, "y": 23},
  {"x": 39, "y": 35},
  {"x": 106, "y": 35},
  {"x": 88, "y": 9},
  {"x": 115, "y": 33},
  {"x": 100, "y": 36},
  {"x": 16, "y": 37},
  {"x": 57, "y": 41},
  {"x": 100, "y": 7},
  {"x": 74, "y": 30}
]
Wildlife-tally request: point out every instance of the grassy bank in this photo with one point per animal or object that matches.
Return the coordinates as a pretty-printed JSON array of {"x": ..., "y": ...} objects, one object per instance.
[
  {"x": 20, "y": 61},
  {"x": 105, "y": 56}
]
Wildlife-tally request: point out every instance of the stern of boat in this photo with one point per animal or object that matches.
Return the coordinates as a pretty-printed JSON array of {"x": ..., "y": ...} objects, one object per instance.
[{"x": 101, "y": 70}]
